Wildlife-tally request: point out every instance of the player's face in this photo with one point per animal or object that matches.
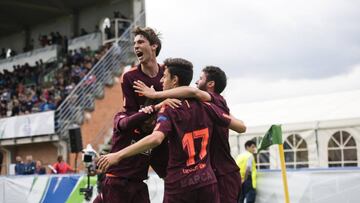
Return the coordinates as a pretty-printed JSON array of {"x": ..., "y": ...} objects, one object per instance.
[
  {"x": 201, "y": 82},
  {"x": 166, "y": 80},
  {"x": 143, "y": 50}
]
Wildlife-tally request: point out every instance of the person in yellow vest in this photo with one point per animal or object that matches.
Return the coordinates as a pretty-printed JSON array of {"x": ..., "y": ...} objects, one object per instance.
[{"x": 247, "y": 165}]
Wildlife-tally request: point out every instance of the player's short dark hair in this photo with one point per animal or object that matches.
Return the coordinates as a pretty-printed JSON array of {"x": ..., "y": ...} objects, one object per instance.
[
  {"x": 217, "y": 75},
  {"x": 249, "y": 143},
  {"x": 181, "y": 68},
  {"x": 150, "y": 35}
]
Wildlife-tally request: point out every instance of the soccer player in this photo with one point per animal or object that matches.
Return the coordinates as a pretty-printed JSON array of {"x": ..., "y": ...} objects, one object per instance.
[
  {"x": 124, "y": 181},
  {"x": 189, "y": 129},
  {"x": 213, "y": 81},
  {"x": 147, "y": 46}
]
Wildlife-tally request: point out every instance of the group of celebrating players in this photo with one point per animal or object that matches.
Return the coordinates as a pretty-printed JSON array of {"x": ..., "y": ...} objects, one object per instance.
[{"x": 180, "y": 131}]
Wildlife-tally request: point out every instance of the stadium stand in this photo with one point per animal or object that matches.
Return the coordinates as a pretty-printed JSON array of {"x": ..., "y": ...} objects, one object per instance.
[{"x": 64, "y": 67}]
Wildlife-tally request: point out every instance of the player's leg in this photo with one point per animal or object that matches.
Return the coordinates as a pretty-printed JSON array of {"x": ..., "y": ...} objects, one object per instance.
[
  {"x": 188, "y": 197},
  {"x": 116, "y": 190},
  {"x": 99, "y": 199},
  {"x": 229, "y": 187},
  {"x": 140, "y": 193},
  {"x": 209, "y": 193}
]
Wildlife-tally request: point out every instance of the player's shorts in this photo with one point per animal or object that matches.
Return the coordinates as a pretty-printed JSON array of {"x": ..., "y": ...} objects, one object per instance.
[
  {"x": 208, "y": 194},
  {"x": 229, "y": 187},
  {"x": 120, "y": 190}
]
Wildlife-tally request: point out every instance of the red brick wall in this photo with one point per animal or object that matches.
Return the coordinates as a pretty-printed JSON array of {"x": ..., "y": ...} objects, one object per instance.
[{"x": 104, "y": 112}]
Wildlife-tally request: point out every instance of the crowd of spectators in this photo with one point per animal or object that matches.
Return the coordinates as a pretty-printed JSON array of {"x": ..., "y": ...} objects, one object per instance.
[
  {"x": 30, "y": 167},
  {"x": 4, "y": 53},
  {"x": 24, "y": 90},
  {"x": 51, "y": 39}
]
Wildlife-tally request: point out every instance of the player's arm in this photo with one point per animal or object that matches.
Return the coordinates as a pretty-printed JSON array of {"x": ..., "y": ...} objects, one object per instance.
[
  {"x": 179, "y": 92},
  {"x": 236, "y": 124},
  {"x": 221, "y": 118},
  {"x": 124, "y": 122},
  {"x": 142, "y": 145}
]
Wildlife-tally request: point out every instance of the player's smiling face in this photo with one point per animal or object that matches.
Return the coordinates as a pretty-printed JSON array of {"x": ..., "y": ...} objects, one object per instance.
[
  {"x": 143, "y": 50},
  {"x": 166, "y": 80},
  {"x": 201, "y": 83}
]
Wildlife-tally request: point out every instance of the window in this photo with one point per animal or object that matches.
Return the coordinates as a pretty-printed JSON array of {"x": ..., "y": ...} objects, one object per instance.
[
  {"x": 342, "y": 150},
  {"x": 296, "y": 152},
  {"x": 263, "y": 158}
]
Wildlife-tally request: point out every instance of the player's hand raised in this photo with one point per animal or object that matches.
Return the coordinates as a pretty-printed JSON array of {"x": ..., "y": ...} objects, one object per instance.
[
  {"x": 143, "y": 89},
  {"x": 105, "y": 161}
]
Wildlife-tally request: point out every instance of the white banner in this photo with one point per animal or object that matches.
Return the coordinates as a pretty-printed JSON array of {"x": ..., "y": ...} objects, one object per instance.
[
  {"x": 92, "y": 40},
  {"x": 310, "y": 186},
  {"x": 27, "y": 125},
  {"x": 47, "y": 54}
]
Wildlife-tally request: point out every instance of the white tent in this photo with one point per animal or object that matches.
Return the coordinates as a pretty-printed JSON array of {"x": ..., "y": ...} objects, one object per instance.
[{"x": 328, "y": 124}]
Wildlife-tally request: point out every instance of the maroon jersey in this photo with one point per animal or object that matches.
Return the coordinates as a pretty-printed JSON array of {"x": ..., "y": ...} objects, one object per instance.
[
  {"x": 125, "y": 133},
  {"x": 132, "y": 103},
  {"x": 189, "y": 129},
  {"x": 221, "y": 159},
  {"x": 133, "y": 100}
]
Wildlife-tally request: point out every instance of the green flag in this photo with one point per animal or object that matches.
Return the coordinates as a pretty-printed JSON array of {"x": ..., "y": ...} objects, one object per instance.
[{"x": 272, "y": 136}]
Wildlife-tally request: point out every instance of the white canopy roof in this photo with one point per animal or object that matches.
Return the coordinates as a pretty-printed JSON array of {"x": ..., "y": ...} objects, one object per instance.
[{"x": 334, "y": 106}]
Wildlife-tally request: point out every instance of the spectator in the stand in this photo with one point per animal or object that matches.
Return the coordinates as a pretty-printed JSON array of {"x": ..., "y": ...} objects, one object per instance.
[
  {"x": 47, "y": 105},
  {"x": 59, "y": 38},
  {"x": 29, "y": 168},
  {"x": 64, "y": 45},
  {"x": 53, "y": 38},
  {"x": 19, "y": 166},
  {"x": 3, "y": 109},
  {"x": 44, "y": 41},
  {"x": 116, "y": 14},
  {"x": 61, "y": 167},
  {"x": 6, "y": 94},
  {"x": 28, "y": 103},
  {"x": 13, "y": 53},
  {"x": 83, "y": 32},
  {"x": 3, "y": 53},
  {"x": 15, "y": 111},
  {"x": 108, "y": 33},
  {"x": 40, "y": 169}
]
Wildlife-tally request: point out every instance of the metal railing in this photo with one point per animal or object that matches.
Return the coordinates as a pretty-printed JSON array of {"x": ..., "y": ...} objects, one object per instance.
[{"x": 82, "y": 97}]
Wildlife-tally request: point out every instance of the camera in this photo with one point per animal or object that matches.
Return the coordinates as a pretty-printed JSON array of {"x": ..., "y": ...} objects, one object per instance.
[
  {"x": 89, "y": 161},
  {"x": 89, "y": 156}
]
